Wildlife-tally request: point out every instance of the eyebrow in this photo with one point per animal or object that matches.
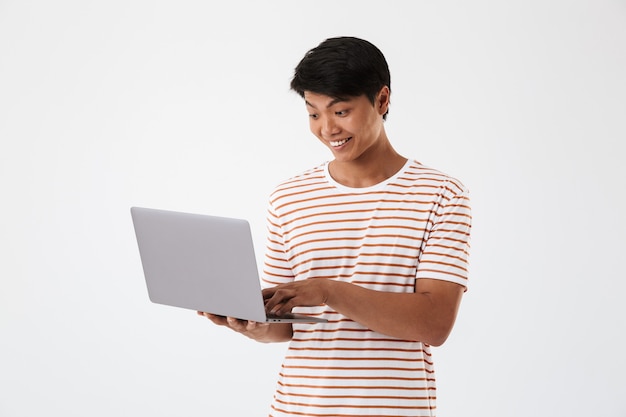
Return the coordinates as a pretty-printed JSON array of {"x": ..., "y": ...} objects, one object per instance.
[{"x": 332, "y": 102}]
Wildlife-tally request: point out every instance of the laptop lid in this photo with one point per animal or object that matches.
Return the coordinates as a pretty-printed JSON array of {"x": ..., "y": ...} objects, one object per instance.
[{"x": 201, "y": 262}]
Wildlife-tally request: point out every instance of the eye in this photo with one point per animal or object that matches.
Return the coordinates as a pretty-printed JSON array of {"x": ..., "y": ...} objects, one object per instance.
[
  {"x": 313, "y": 116},
  {"x": 341, "y": 113}
]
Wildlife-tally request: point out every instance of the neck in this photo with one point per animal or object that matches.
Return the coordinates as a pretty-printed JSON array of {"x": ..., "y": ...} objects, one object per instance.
[{"x": 369, "y": 169}]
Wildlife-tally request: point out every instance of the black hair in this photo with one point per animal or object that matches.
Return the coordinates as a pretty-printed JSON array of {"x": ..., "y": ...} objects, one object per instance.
[{"x": 342, "y": 67}]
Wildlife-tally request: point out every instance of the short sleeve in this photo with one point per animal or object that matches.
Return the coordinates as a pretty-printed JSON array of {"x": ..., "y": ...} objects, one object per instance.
[
  {"x": 445, "y": 252},
  {"x": 276, "y": 267}
]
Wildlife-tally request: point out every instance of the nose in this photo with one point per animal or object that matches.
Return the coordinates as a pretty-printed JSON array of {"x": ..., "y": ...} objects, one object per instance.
[{"x": 329, "y": 128}]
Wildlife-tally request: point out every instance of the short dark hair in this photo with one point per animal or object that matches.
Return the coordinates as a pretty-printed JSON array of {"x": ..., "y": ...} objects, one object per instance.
[{"x": 342, "y": 67}]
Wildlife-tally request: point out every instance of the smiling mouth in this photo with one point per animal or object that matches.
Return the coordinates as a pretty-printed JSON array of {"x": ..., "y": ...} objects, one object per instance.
[{"x": 337, "y": 143}]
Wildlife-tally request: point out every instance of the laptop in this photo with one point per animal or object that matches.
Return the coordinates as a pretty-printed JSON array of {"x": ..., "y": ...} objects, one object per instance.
[{"x": 203, "y": 263}]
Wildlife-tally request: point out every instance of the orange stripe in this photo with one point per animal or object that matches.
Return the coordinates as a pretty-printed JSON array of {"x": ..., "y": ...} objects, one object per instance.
[
  {"x": 337, "y": 397},
  {"x": 363, "y": 387},
  {"x": 441, "y": 273},
  {"x": 356, "y": 406},
  {"x": 376, "y": 202},
  {"x": 362, "y": 378},
  {"x": 359, "y": 220},
  {"x": 357, "y": 248},
  {"x": 368, "y": 236},
  {"x": 336, "y": 213}
]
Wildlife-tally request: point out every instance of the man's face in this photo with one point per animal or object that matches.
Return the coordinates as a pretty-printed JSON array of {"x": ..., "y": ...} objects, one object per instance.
[{"x": 350, "y": 128}]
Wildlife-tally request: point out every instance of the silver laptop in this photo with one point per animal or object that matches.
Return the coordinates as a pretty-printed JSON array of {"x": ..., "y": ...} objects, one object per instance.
[{"x": 203, "y": 263}]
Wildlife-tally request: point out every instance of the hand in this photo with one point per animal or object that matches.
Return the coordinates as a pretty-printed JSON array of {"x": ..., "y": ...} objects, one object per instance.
[
  {"x": 261, "y": 332},
  {"x": 246, "y": 327},
  {"x": 306, "y": 293}
]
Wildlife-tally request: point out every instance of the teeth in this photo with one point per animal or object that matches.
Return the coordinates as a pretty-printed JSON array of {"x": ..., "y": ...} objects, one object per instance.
[{"x": 339, "y": 142}]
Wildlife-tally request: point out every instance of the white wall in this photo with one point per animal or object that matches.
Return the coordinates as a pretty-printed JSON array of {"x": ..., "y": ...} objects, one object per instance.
[{"x": 185, "y": 105}]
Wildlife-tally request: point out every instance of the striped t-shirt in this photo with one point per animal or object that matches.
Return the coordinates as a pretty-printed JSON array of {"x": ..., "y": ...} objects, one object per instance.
[{"x": 414, "y": 225}]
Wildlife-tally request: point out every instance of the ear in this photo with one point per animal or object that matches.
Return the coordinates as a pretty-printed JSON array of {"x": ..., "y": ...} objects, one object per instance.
[{"x": 382, "y": 100}]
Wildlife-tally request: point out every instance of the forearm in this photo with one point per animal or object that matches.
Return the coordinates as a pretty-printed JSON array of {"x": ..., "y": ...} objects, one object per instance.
[{"x": 421, "y": 316}]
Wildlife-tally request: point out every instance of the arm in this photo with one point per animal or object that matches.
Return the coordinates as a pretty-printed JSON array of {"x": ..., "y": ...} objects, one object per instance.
[
  {"x": 427, "y": 315},
  {"x": 261, "y": 332}
]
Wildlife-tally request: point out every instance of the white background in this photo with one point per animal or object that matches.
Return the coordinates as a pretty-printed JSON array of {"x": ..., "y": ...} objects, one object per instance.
[{"x": 185, "y": 105}]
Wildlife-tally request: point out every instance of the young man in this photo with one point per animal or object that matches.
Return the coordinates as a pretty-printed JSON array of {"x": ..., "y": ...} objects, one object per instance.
[{"x": 373, "y": 242}]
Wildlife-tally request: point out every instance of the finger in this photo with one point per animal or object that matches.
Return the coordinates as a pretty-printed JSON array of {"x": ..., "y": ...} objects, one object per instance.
[
  {"x": 281, "y": 307},
  {"x": 203, "y": 314},
  {"x": 252, "y": 325},
  {"x": 273, "y": 305},
  {"x": 280, "y": 297},
  {"x": 268, "y": 293},
  {"x": 284, "y": 307},
  {"x": 271, "y": 291},
  {"x": 217, "y": 319},
  {"x": 237, "y": 324}
]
